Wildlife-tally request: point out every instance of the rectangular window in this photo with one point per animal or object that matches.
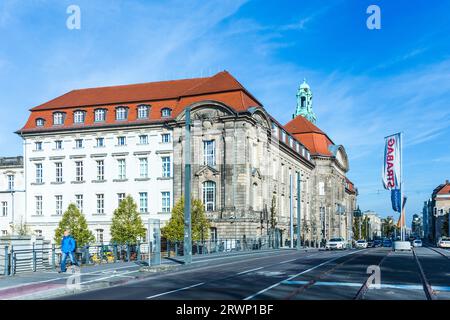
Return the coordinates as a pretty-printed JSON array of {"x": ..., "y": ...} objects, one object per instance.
[
  {"x": 143, "y": 202},
  {"x": 38, "y": 172},
  {"x": 59, "y": 172},
  {"x": 209, "y": 153},
  {"x": 38, "y": 233},
  {"x": 100, "y": 115},
  {"x": 58, "y": 118},
  {"x": 99, "y": 235},
  {"x": 79, "y": 171},
  {"x": 59, "y": 205},
  {"x": 4, "y": 233},
  {"x": 321, "y": 188},
  {"x": 122, "y": 169},
  {"x": 100, "y": 203},
  {"x": 120, "y": 198},
  {"x": 143, "y": 139},
  {"x": 78, "y": 117},
  {"x": 165, "y": 138},
  {"x": 143, "y": 167},
  {"x": 79, "y": 202},
  {"x": 143, "y": 112},
  {"x": 58, "y": 144},
  {"x": 121, "y": 113},
  {"x": 121, "y": 141},
  {"x": 166, "y": 166},
  {"x": 38, "y": 205},
  {"x": 4, "y": 208},
  {"x": 38, "y": 146},
  {"x": 100, "y": 170},
  {"x": 165, "y": 201},
  {"x": 78, "y": 143},
  {"x": 10, "y": 182},
  {"x": 100, "y": 142}
]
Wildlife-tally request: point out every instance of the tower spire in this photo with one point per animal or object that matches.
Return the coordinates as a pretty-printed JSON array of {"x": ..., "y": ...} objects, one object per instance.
[{"x": 304, "y": 103}]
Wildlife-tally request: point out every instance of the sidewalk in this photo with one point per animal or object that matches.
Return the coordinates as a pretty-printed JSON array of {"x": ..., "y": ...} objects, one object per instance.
[{"x": 51, "y": 284}]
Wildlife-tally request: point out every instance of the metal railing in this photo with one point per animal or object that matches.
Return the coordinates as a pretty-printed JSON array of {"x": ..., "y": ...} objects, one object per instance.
[{"x": 31, "y": 258}]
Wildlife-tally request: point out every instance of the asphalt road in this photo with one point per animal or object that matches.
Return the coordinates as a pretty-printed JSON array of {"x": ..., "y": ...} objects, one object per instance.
[{"x": 292, "y": 275}]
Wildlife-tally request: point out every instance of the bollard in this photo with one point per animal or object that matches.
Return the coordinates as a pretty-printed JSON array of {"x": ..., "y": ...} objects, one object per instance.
[
  {"x": 34, "y": 258},
  {"x": 128, "y": 252},
  {"x": 53, "y": 257},
  {"x": 6, "y": 272},
  {"x": 13, "y": 262},
  {"x": 86, "y": 254},
  {"x": 138, "y": 251}
]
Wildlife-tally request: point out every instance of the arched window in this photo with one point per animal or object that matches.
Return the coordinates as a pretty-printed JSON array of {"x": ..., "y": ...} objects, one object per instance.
[
  {"x": 79, "y": 116},
  {"x": 58, "y": 118},
  {"x": 100, "y": 115},
  {"x": 121, "y": 113},
  {"x": 166, "y": 112},
  {"x": 40, "y": 122},
  {"x": 209, "y": 195},
  {"x": 143, "y": 111},
  {"x": 303, "y": 100}
]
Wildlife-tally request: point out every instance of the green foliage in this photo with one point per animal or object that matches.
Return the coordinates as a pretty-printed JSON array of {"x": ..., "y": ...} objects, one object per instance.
[
  {"x": 388, "y": 226},
  {"x": 74, "y": 221},
  {"x": 174, "y": 229},
  {"x": 127, "y": 225}
]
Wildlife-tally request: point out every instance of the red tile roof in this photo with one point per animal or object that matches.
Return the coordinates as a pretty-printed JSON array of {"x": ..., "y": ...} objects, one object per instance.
[
  {"x": 445, "y": 190},
  {"x": 310, "y": 135}
]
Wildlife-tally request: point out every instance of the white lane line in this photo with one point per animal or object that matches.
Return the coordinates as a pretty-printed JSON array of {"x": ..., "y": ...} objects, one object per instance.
[
  {"x": 247, "y": 271},
  {"x": 61, "y": 278},
  {"x": 181, "y": 289},
  {"x": 108, "y": 277},
  {"x": 287, "y": 261},
  {"x": 296, "y": 275}
]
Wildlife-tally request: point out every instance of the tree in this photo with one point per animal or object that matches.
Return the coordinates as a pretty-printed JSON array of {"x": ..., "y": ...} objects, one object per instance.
[
  {"x": 127, "y": 225},
  {"x": 74, "y": 221},
  {"x": 174, "y": 229},
  {"x": 21, "y": 229},
  {"x": 388, "y": 227}
]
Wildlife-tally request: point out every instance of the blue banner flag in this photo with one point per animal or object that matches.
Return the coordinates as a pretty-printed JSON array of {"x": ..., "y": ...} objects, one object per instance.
[{"x": 396, "y": 200}]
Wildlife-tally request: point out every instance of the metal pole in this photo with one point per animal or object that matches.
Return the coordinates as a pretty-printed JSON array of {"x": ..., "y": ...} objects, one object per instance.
[
  {"x": 6, "y": 271},
  {"x": 298, "y": 212},
  {"x": 187, "y": 190},
  {"x": 291, "y": 214}
]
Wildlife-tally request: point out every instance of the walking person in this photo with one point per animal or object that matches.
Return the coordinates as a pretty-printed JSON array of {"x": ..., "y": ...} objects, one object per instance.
[{"x": 68, "y": 246}]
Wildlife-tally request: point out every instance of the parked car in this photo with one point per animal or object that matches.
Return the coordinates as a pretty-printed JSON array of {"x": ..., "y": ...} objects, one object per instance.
[
  {"x": 370, "y": 244},
  {"x": 387, "y": 243},
  {"x": 444, "y": 242},
  {"x": 377, "y": 243},
  {"x": 361, "y": 244},
  {"x": 335, "y": 243},
  {"x": 417, "y": 243}
]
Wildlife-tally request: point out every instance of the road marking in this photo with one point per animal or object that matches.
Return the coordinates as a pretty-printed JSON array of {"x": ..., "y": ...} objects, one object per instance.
[
  {"x": 298, "y": 274},
  {"x": 108, "y": 277},
  {"x": 354, "y": 284},
  {"x": 169, "y": 292},
  {"x": 288, "y": 261},
  {"x": 247, "y": 271}
]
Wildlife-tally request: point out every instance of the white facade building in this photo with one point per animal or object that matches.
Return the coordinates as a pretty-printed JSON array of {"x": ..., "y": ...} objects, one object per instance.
[
  {"x": 12, "y": 194},
  {"x": 96, "y": 169}
]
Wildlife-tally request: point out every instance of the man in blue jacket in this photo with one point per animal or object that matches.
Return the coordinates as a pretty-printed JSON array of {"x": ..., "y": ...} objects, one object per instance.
[{"x": 68, "y": 246}]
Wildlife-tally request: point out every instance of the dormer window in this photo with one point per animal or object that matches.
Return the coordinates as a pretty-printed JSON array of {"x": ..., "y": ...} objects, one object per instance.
[
  {"x": 274, "y": 129},
  {"x": 283, "y": 136},
  {"x": 100, "y": 115},
  {"x": 166, "y": 112},
  {"x": 40, "y": 122},
  {"x": 121, "y": 113},
  {"x": 79, "y": 116},
  {"x": 297, "y": 147},
  {"x": 58, "y": 118},
  {"x": 143, "y": 111},
  {"x": 291, "y": 142}
]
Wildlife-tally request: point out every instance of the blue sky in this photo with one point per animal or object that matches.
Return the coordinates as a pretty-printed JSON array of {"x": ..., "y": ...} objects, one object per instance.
[{"x": 366, "y": 83}]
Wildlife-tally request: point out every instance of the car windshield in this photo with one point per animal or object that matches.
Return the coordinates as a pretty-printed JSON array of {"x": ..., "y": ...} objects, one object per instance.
[
  {"x": 445, "y": 239},
  {"x": 335, "y": 239},
  {"x": 361, "y": 241},
  {"x": 417, "y": 241}
]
